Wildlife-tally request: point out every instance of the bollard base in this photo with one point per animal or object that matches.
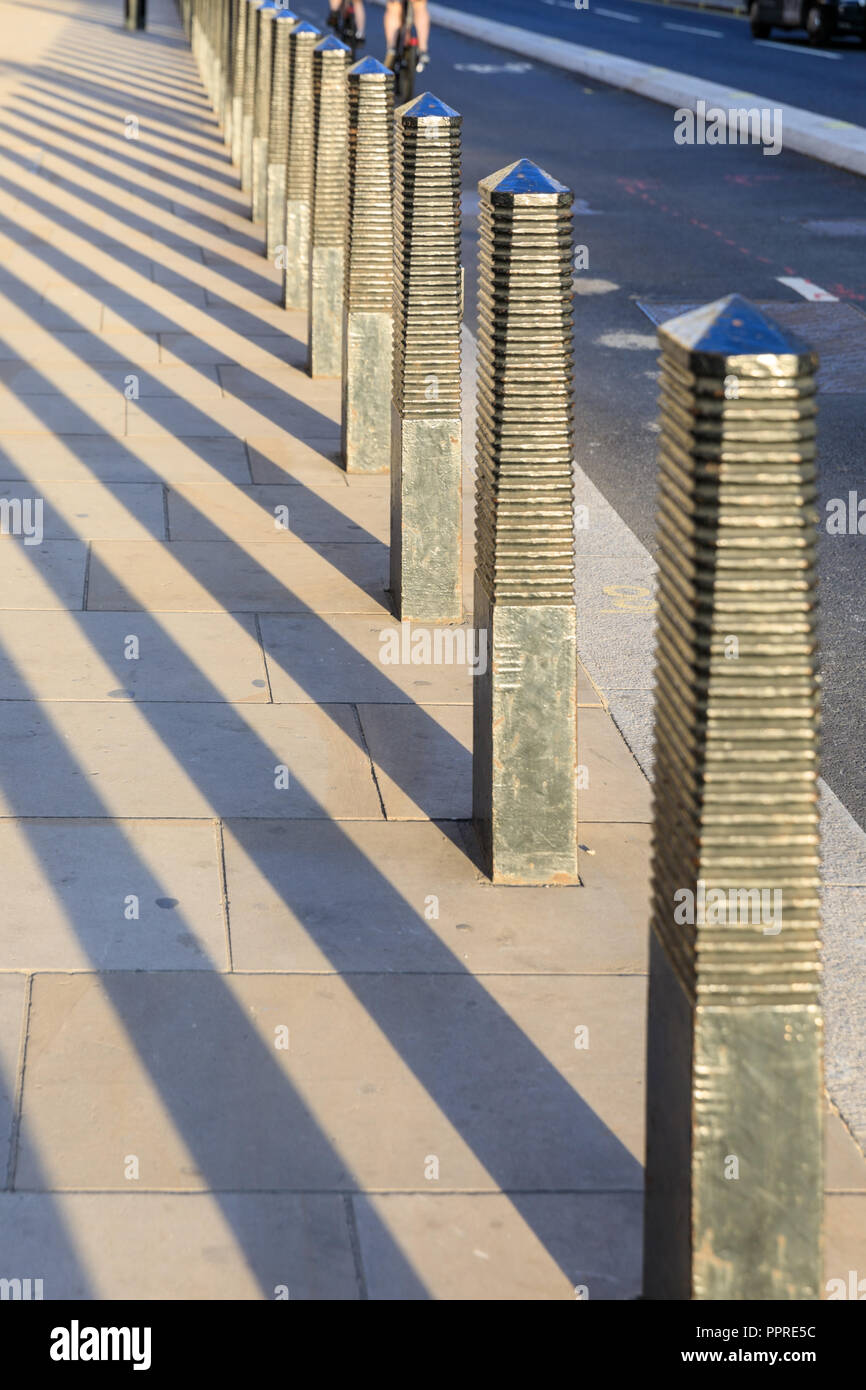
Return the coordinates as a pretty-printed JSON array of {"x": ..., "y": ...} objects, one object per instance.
[
  {"x": 366, "y": 416},
  {"x": 524, "y": 766},
  {"x": 135, "y": 14},
  {"x": 426, "y": 518},
  {"x": 237, "y": 130},
  {"x": 296, "y": 275},
  {"x": 275, "y": 216},
  {"x": 260, "y": 178},
  {"x": 325, "y": 322},
  {"x": 713, "y": 1072}
]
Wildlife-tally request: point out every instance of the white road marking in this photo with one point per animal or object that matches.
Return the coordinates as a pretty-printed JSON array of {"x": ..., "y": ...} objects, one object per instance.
[
  {"x": 792, "y": 48},
  {"x": 583, "y": 285},
  {"x": 807, "y": 289},
  {"x": 615, "y": 14},
  {"x": 622, "y": 338},
  {"x": 690, "y": 29}
]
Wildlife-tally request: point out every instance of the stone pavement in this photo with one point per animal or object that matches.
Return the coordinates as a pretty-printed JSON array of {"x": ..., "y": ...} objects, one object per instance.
[{"x": 265, "y": 1031}]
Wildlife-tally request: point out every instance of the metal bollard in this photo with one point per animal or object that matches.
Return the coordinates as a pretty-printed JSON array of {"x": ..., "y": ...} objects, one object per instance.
[
  {"x": 262, "y": 109},
  {"x": 239, "y": 67},
  {"x": 135, "y": 14},
  {"x": 299, "y": 167},
  {"x": 426, "y": 481},
  {"x": 734, "y": 1187},
  {"x": 251, "y": 52},
  {"x": 368, "y": 285},
  {"x": 524, "y": 768},
  {"x": 328, "y": 214},
  {"x": 278, "y": 132}
]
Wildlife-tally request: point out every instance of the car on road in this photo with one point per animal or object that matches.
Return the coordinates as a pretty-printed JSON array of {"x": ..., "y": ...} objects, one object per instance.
[{"x": 822, "y": 19}]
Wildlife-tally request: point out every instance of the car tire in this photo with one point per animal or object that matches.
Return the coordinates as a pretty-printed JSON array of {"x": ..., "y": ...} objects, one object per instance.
[
  {"x": 816, "y": 26},
  {"x": 759, "y": 27}
]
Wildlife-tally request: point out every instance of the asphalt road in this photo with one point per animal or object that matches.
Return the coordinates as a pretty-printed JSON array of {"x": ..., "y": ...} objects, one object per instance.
[
  {"x": 682, "y": 224},
  {"x": 715, "y": 46}
]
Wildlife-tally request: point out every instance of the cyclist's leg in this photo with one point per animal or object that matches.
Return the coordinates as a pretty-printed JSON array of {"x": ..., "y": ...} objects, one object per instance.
[
  {"x": 393, "y": 20},
  {"x": 360, "y": 21},
  {"x": 422, "y": 23},
  {"x": 334, "y": 13}
]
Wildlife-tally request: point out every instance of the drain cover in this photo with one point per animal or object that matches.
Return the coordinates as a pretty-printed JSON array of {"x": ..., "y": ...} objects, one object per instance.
[{"x": 837, "y": 332}]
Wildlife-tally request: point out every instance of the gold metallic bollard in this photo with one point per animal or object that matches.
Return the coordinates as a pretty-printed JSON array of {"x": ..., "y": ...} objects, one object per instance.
[
  {"x": 251, "y": 62},
  {"x": 278, "y": 133},
  {"x": 367, "y": 318},
  {"x": 262, "y": 109},
  {"x": 239, "y": 68},
  {"x": 525, "y": 699},
  {"x": 734, "y": 1188},
  {"x": 426, "y": 468},
  {"x": 328, "y": 219},
  {"x": 299, "y": 168}
]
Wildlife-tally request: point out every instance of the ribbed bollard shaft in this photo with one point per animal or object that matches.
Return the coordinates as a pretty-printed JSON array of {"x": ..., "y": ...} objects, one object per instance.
[
  {"x": 278, "y": 131},
  {"x": 734, "y": 1100},
  {"x": 250, "y": 65},
  {"x": 262, "y": 109},
  {"x": 299, "y": 167},
  {"x": 328, "y": 222},
  {"x": 239, "y": 67},
  {"x": 525, "y": 697},
  {"x": 426, "y": 480},
  {"x": 369, "y": 276}
]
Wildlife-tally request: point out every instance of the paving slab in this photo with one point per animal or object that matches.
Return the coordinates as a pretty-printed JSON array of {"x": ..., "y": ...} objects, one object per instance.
[
  {"x": 168, "y": 1246},
  {"x": 279, "y": 382},
  {"x": 118, "y": 656},
  {"x": 500, "y": 1248},
  {"x": 38, "y": 346},
  {"x": 181, "y": 419},
  {"x": 426, "y": 907},
  {"x": 182, "y": 1071},
  {"x": 68, "y": 458},
  {"x": 218, "y": 575},
  {"x": 111, "y": 379},
  {"x": 13, "y": 1001},
  {"x": 184, "y": 760},
  {"x": 277, "y": 513},
  {"x": 423, "y": 759},
  {"x": 55, "y": 414},
  {"x": 845, "y": 1243},
  {"x": 50, "y": 575},
  {"x": 126, "y": 895},
  {"x": 616, "y": 789},
  {"x": 257, "y": 350},
  {"x": 94, "y": 509},
  {"x": 280, "y": 460}
]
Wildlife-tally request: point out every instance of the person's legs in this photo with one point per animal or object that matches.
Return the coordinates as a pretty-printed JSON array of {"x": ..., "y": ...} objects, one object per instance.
[
  {"x": 360, "y": 20},
  {"x": 333, "y": 11},
  {"x": 422, "y": 23},
  {"x": 393, "y": 15}
]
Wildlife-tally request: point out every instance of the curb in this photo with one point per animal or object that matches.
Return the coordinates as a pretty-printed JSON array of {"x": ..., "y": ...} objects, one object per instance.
[{"x": 808, "y": 132}]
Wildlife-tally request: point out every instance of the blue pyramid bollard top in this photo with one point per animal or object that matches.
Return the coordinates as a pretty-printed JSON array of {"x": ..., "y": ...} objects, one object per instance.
[
  {"x": 732, "y": 327},
  {"x": 523, "y": 177},
  {"x": 369, "y": 67},
  {"x": 331, "y": 44},
  {"x": 305, "y": 27},
  {"x": 283, "y": 12},
  {"x": 428, "y": 105}
]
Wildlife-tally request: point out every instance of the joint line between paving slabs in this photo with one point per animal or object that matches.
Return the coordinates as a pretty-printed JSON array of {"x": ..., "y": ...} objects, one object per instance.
[
  {"x": 365, "y": 746},
  {"x": 18, "y": 1100},
  {"x": 86, "y": 592},
  {"x": 165, "y": 520},
  {"x": 264, "y": 655},
  {"x": 355, "y": 1244},
  {"x": 224, "y": 892}
]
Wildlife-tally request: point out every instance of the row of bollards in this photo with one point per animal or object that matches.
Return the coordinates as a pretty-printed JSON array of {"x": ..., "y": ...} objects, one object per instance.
[{"x": 363, "y": 206}]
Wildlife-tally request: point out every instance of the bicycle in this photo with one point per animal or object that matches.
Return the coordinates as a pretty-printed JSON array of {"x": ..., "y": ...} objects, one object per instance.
[
  {"x": 346, "y": 29},
  {"x": 406, "y": 55}
]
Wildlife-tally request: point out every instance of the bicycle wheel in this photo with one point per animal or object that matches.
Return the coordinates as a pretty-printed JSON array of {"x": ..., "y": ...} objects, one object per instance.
[{"x": 406, "y": 72}]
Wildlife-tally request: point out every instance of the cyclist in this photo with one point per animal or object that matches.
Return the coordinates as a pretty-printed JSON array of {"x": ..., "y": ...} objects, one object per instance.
[
  {"x": 334, "y": 17},
  {"x": 394, "y": 12}
]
